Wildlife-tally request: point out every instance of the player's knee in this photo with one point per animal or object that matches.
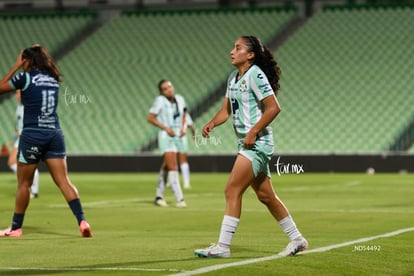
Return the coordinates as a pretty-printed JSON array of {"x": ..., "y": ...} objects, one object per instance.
[
  {"x": 263, "y": 197},
  {"x": 232, "y": 192}
]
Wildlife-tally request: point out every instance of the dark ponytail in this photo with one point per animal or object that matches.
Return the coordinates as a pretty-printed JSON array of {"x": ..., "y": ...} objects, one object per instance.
[
  {"x": 39, "y": 59},
  {"x": 263, "y": 58}
]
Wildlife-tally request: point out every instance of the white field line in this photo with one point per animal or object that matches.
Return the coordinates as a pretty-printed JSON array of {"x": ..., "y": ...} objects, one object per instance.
[
  {"x": 274, "y": 257},
  {"x": 111, "y": 202},
  {"x": 318, "y": 187},
  {"x": 209, "y": 268},
  {"x": 117, "y": 202},
  {"x": 353, "y": 183}
]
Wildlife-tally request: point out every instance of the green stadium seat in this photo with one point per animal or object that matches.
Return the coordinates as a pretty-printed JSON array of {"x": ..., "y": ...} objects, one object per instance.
[
  {"x": 342, "y": 78},
  {"x": 346, "y": 85},
  {"x": 129, "y": 55}
]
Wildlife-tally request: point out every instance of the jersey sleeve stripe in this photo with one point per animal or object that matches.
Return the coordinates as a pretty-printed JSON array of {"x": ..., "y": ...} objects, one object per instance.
[{"x": 27, "y": 81}]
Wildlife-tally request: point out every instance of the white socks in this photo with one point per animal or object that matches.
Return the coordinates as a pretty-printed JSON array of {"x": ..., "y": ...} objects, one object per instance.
[
  {"x": 175, "y": 185},
  {"x": 162, "y": 177},
  {"x": 289, "y": 227},
  {"x": 185, "y": 171},
  {"x": 228, "y": 229},
  {"x": 13, "y": 167},
  {"x": 229, "y": 226},
  {"x": 35, "y": 185}
]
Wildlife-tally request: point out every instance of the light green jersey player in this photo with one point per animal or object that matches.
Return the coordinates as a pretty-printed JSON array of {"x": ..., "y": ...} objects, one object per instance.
[
  {"x": 245, "y": 96},
  {"x": 251, "y": 102},
  {"x": 170, "y": 114}
]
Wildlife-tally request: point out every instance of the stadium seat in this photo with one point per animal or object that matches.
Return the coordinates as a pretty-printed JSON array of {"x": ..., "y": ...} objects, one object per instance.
[
  {"x": 346, "y": 85},
  {"x": 343, "y": 81},
  {"x": 120, "y": 65}
]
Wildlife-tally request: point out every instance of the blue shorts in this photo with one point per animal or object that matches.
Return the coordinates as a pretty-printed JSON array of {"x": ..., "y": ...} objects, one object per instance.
[{"x": 37, "y": 144}]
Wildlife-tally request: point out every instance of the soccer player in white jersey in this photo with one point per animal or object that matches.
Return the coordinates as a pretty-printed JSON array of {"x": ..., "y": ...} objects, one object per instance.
[
  {"x": 12, "y": 161},
  {"x": 41, "y": 137},
  {"x": 182, "y": 160},
  {"x": 251, "y": 102},
  {"x": 168, "y": 113}
]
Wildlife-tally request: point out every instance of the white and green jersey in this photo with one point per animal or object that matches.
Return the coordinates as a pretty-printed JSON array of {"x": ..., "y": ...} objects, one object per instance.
[
  {"x": 245, "y": 96},
  {"x": 168, "y": 113}
]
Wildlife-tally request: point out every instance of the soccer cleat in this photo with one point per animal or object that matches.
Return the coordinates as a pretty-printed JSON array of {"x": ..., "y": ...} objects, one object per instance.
[
  {"x": 11, "y": 233},
  {"x": 85, "y": 229},
  {"x": 181, "y": 204},
  {"x": 213, "y": 251},
  {"x": 295, "y": 246},
  {"x": 160, "y": 202}
]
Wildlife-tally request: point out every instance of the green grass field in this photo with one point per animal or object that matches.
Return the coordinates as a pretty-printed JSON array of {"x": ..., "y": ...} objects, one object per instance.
[{"x": 134, "y": 237}]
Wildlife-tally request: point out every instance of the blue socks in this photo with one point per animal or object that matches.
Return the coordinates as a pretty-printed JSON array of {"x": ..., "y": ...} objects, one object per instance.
[
  {"x": 76, "y": 207},
  {"x": 17, "y": 221}
]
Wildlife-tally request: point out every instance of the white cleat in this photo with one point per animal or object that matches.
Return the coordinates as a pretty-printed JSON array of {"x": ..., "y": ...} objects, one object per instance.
[
  {"x": 160, "y": 202},
  {"x": 181, "y": 204},
  {"x": 295, "y": 246},
  {"x": 213, "y": 251}
]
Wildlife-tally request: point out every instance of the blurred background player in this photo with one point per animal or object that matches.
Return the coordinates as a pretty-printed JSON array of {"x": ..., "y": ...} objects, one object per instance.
[
  {"x": 182, "y": 159},
  {"x": 12, "y": 161},
  {"x": 42, "y": 137},
  {"x": 168, "y": 113}
]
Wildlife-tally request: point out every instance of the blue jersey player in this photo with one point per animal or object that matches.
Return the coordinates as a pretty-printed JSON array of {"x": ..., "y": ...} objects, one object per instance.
[{"x": 41, "y": 138}]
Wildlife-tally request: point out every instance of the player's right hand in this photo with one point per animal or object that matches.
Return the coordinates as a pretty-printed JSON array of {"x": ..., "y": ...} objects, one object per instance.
[{"x": 170, "y": 132}]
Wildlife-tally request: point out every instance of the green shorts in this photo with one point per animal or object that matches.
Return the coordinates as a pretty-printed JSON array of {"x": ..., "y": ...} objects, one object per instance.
[
  {"x": 172, "y": 144},
  {"x": 260, "y": 156}
]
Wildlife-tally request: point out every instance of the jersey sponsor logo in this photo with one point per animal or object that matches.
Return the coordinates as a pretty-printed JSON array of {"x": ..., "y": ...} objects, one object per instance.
[
  {"x": 260, "y": 76},
  {"x": 44, "y": 80},
  {"x": 48, "y": 122}
]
